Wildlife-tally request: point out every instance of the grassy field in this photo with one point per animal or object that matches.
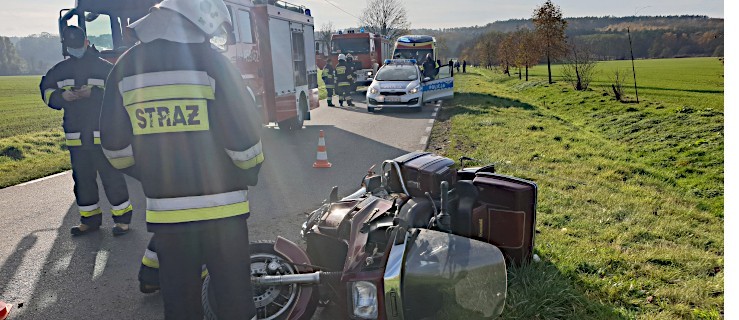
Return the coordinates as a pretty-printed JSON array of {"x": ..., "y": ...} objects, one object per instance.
[
  {"x": 31, "y": 137},
  {"x": 630, "y": 213}
]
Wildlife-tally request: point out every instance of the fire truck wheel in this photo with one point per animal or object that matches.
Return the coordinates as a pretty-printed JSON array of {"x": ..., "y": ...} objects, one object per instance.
[{"x": 297, "y": 122}]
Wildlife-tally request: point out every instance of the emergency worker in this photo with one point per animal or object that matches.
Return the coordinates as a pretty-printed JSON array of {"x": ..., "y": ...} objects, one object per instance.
[
  {"x": 76, "y": 85},
  {"x": 352, "y": 66},
  {"x": 343, "y": 81},
  {"x": 329, "y": 75},
  {"x": 429, "y": 67},
  {"x": 176, "y": 118}
]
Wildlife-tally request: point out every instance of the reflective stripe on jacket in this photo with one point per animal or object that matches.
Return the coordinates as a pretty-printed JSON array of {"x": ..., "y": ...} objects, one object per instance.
[
  {"x": 81, "y": 117},
  {"x": 185, "y": 126}
]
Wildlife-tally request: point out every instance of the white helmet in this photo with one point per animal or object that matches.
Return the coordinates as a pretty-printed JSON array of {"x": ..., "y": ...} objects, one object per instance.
[
  {"x": 207, "y": 15},
  {"x": 342, "y": 57}
]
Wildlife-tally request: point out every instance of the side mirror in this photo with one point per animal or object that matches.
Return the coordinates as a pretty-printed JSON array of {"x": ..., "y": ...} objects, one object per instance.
[{"x": 91, "y": 16}]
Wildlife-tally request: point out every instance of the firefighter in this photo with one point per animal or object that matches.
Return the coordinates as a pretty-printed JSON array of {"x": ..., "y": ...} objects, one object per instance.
[
  {"x": 76, "y": 85},
  {"x": 343, "y": 81},
  {"x": 352, "y": 65},
  {"x": 328, "y": 75},
  {"x": 177, "y": 119}
]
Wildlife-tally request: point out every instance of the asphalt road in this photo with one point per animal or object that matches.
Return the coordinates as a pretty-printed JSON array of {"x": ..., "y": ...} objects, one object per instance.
[{"x": 47, "y": 274}]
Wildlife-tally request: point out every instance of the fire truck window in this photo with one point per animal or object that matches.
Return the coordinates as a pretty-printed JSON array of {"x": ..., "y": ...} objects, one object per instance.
[
  {"x": 301, "y": 77},
  {"x": 245, "y": 34},
  {"x": 356, "y": 45},
  {"x": 98, "y": 30}
]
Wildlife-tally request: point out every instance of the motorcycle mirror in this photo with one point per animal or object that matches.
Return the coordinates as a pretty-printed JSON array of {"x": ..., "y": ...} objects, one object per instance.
[
  {"x": 334, "y": 195},
  {"x": 466, "y": 158}
]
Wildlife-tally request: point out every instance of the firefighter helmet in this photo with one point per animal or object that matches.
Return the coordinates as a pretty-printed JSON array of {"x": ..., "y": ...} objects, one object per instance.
[
  {"x": 208, "y": 15},
  {"x": 342, "y": 57}
]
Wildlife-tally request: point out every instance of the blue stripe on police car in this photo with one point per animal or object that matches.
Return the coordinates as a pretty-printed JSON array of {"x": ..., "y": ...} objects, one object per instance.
[{"x": 439, "y": 85}]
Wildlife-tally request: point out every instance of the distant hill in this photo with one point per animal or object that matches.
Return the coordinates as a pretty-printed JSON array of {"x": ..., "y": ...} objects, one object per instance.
[{"x": 652, "y": 36}]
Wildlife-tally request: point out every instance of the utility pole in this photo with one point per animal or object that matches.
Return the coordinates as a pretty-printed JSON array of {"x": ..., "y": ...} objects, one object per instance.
[
  {"x": 633, "y": 69},
  {"x": 631, "y": 48}
]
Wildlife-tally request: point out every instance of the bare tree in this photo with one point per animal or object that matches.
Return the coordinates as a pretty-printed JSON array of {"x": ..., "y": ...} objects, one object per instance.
[
  {"x": 617, "y": 84},
  {"x": 550, "y": 27},
  {"x": 385, "y": 17},
  {"x": 528, "y": 51},
  {"x": 507, "y": 53},
  {"x": 325, "y": 32},
  {"x": 579, "y": 67}
]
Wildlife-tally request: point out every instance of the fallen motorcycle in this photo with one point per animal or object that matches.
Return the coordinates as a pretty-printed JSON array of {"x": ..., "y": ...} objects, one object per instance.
[{"x": 420, "y": 240}]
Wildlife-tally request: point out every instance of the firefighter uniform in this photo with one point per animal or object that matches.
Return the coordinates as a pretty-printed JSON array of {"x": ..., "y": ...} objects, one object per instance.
[
  {"x": 81, "y": 129},
  {"x": 343, "y": 82},
  {"x": 329, "y": 75},
  {"x": 176, "y": 118}
]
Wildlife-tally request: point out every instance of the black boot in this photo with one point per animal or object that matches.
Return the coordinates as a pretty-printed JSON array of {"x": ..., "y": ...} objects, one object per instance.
[
  {"x": 349, "y": 103},
  {"x": 83, "y": 229},
  {"x": 341, "y": 103},
  {"x": 330, "y": 104}
]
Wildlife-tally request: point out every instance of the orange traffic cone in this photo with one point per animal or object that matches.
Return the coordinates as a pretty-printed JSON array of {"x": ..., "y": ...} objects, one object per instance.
[
  {"x": 321, "y": 155},
  {"x": 4, "y": 310}
]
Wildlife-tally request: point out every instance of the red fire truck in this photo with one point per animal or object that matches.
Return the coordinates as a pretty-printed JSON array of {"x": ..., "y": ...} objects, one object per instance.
[
  {"x": 369, "y": 50},
  {"x": 271, "y": 45}
]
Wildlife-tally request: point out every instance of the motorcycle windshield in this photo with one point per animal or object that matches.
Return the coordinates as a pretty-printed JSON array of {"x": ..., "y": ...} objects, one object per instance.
[{"x": 452, "y": 277}]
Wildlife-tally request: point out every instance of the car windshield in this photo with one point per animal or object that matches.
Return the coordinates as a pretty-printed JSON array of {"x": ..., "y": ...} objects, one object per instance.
[{"x": 401, "y": 73}]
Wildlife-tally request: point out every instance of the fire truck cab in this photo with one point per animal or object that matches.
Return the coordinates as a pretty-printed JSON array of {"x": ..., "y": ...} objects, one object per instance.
[
  {"x": 368, "y": 50},
  {"x": 272, "y": 46}
]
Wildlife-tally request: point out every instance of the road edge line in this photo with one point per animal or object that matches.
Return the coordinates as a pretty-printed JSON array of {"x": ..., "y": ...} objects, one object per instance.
[
  {"x": 434, "y": 115},
  {"x": 42, "y": 179}
]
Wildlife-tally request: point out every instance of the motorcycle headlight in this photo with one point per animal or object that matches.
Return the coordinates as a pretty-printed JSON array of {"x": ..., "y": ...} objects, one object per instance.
[
  {"x": 373, "y": 90},
  {"x": 414, "y": 90},
  {"x": 364, "y": 299}
]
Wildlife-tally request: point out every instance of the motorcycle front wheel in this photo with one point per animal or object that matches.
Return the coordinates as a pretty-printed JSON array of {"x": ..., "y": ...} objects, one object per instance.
[{"x": 272, "y": 302}]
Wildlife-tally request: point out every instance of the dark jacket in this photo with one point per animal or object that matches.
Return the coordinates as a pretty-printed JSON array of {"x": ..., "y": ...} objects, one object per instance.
[
  {"x": 343, "y": 73},
  {"x": 429, "y": 68},
  {"x": 81, "y": 117},
  {"x": 329, "y": 75},
  {"x": 183, "y": 124}
]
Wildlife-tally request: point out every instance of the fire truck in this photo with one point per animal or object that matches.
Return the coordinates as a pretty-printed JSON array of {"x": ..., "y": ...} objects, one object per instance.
[
  {"x": 272, "y": 46},
  {"x": 369, "y": 50}
]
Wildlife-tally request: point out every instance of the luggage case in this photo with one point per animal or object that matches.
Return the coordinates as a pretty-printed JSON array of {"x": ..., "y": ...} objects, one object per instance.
[
  {"x": 506, "y": 214},
  {"x": 423, "y": 172}
]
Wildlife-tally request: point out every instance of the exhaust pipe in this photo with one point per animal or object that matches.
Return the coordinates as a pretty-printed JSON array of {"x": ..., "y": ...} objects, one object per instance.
[{"x": 303, "y": 278}]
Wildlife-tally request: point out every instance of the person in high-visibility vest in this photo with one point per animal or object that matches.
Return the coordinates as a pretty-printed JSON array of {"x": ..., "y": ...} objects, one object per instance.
[
  {"x": 343, "y": 81},
  {"x": 329, "y": 76},
  {"x": 76, "y": 85},
  {"x": 177, "y": 118}
]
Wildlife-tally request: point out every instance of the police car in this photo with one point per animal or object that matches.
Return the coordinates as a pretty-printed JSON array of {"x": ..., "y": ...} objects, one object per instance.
[{"x": 400, "y": 84}]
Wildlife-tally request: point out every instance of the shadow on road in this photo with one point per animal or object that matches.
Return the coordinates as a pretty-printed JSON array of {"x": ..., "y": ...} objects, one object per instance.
[{"x": 95, "y": 276}]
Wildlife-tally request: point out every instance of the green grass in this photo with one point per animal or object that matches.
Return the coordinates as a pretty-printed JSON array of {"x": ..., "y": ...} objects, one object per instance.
[
  {"x": 630, "y": 209},
  {"x": 31, "y": 137}
]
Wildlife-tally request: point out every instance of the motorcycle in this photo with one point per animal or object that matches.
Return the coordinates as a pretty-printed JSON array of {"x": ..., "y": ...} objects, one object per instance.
[{"x": 420, "y": 240}]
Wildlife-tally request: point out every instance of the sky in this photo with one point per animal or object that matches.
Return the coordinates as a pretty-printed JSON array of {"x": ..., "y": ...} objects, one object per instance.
[{"x": 24, "y": 17}]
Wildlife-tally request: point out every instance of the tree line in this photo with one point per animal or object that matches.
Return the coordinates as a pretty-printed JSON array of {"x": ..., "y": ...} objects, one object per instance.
[
  {"x": 652, "y": 36},
  {"x": 35, "y": 54}
]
